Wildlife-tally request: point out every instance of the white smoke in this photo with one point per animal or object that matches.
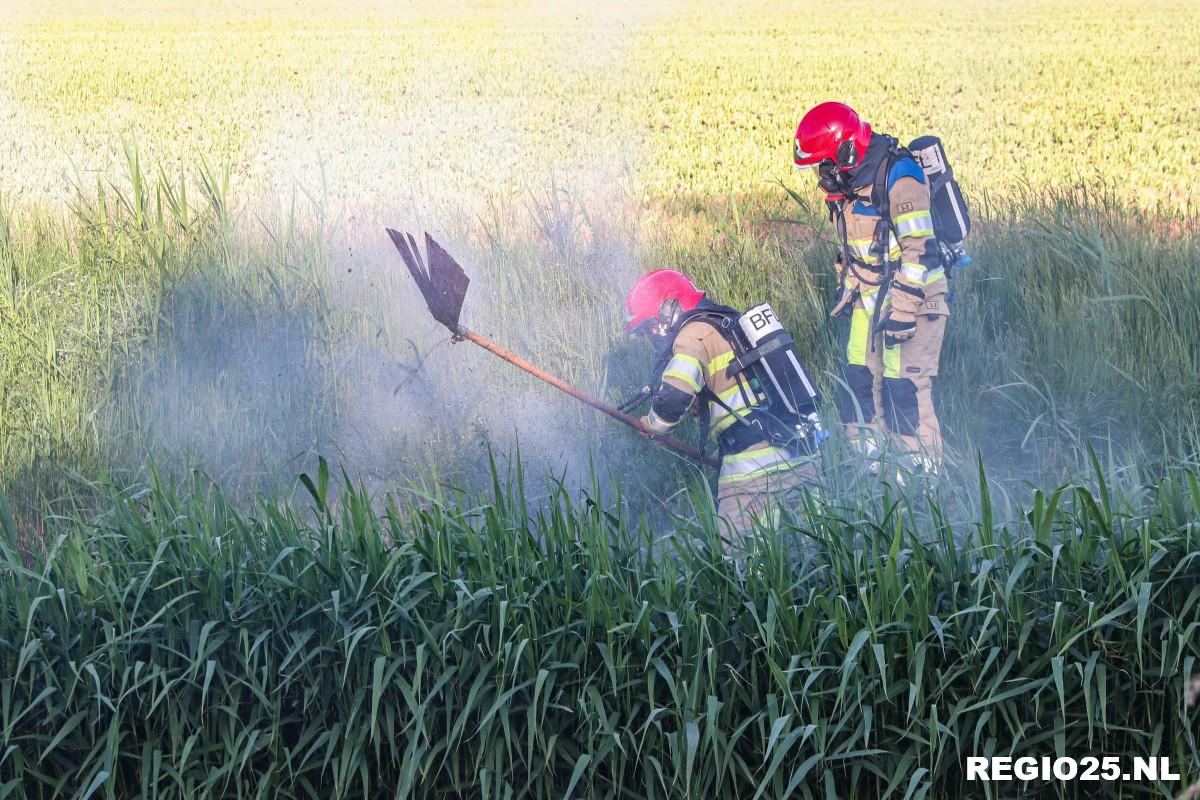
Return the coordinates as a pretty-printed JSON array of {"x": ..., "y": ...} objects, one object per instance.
[{"x": 350, "y": 364}]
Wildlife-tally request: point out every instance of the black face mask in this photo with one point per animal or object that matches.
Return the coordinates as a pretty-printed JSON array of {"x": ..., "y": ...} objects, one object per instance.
[{"x": 832, "y": 180}]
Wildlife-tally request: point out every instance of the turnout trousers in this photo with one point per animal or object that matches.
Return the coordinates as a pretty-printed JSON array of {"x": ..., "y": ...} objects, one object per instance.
[
  {"x": 742, "y": 505},
  {"x": 888, "y": 391}
]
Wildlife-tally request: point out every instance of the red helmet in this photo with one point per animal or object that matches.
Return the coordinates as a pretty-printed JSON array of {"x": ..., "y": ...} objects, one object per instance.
[
  {"x": 650, "y": 293},
  {"x": 833, "y": 131}
]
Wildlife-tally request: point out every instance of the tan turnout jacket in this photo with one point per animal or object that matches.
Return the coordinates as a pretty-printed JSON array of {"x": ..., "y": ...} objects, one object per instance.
[
  {"x": 911, "y": 244},
  {"x": 700, "y": 356}
]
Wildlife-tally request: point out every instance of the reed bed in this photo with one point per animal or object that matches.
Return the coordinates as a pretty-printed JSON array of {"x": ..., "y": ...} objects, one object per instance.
[{"x": 446, "y": 643}]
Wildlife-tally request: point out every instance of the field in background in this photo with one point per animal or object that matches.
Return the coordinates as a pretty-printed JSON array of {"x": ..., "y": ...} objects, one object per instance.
[{"x": 393, "y": 101}]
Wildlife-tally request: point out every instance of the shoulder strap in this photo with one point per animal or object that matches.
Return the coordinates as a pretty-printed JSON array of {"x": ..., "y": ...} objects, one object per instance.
[
  {"x": 720, "y": 317},
  {"x": 879, "y": 189},
  {"x": 883, "y": 230},
  {"x": 847, "y": 260}
]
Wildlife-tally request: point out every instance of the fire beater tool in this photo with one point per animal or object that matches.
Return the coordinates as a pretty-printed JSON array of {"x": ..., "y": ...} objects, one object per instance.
[{"x": 443, "y": 284}]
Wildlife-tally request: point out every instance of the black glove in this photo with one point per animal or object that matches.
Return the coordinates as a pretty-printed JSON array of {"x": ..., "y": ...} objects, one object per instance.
[
  {"x": 901, "y": 323},
  {"x": 899, "y": 327}
]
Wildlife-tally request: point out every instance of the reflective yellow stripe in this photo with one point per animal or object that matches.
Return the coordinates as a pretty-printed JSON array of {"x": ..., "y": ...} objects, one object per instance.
[
  {"x": 921, "y": 275},
  {"x": 686, "y": 370},
  {"x": 685, "y": 379},
  {"x": 724, "y": 421},
  {"x": 868, "y": 298},
  {"x": 725, "y": 480},
  {"x": 891, "y": 361},
  {"x": 764, "y": 454},
  {"x": 856, "y": 348},
  {"x": 733, "y": 393},
  {"x": 864, "y": 255},
  {"x": 720, "y": 363},
  {"x": 914, "y": 223},
  {"x": 683, "y": 359},
  {"x": 861, "y": 250},
  {"x": 721, "y": 419},
  {"x": 756, "y": 463}
]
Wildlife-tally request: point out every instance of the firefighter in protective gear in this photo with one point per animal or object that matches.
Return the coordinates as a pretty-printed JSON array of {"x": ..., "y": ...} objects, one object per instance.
[
  {"x": 693, "y": 355},
  {"x": 893, "y": 290}
]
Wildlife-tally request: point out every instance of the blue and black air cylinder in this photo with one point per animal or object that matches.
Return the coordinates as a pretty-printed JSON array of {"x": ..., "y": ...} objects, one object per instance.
[
  {"x": 768, "y": 361},
  {"x": 951, "y": 218}
]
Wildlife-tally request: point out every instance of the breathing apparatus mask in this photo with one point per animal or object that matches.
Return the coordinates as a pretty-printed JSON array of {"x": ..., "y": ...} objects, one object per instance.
[
  {"x": 658, "y": 328},
  {"x": 831, "y": 180},
  {"x": 832, "y": 174}
]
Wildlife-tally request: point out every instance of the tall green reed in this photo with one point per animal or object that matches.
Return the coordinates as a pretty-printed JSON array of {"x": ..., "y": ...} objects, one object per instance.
[{"x": 446, "y": 642}]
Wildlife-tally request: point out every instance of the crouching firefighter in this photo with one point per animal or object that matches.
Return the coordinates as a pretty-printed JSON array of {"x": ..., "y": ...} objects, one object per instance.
[
  {"x": 742, "y": 375},
  {"x": 892, "y": 269}
]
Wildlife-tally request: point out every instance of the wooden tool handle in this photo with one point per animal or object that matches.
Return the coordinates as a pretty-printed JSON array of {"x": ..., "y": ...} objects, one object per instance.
[{"x": 679, "y": 447}]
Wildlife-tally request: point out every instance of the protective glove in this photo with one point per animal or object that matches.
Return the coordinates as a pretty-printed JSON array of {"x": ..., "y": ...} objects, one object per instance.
[
  {"x": 901, "y": 323},
  {"x": 849, "y": 291},
  {"x": 653, "y": 424},
  {"x": 899, "y": 327}
]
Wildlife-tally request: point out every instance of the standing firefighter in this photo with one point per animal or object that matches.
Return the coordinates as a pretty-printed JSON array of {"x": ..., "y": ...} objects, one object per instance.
[
  {"x": 741, "y": 374},
  {"x": 893, "y": 274}
]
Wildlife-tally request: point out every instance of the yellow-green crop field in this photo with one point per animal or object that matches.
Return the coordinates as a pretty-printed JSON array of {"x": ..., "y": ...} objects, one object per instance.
[{"x": 683, "y": 97}]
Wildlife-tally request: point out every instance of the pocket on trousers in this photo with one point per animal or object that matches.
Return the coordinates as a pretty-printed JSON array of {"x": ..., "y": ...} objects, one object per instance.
[{"x": 920, "y": 355}]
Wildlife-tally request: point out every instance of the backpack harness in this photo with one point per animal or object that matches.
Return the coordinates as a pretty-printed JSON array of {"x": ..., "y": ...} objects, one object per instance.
[
  {"x": 947, "y": 208},
  {"x": 881, "y": 240},
  {"x": 782, "y": 421}
]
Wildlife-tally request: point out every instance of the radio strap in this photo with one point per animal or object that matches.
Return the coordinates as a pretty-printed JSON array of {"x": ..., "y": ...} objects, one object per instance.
[{"x": 883, "y": 231}]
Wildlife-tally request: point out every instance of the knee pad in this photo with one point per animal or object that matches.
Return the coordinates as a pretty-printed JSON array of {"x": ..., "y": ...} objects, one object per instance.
[
  {"x": 855, "y": 399},
  {"x": 900, "y": 406}
]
